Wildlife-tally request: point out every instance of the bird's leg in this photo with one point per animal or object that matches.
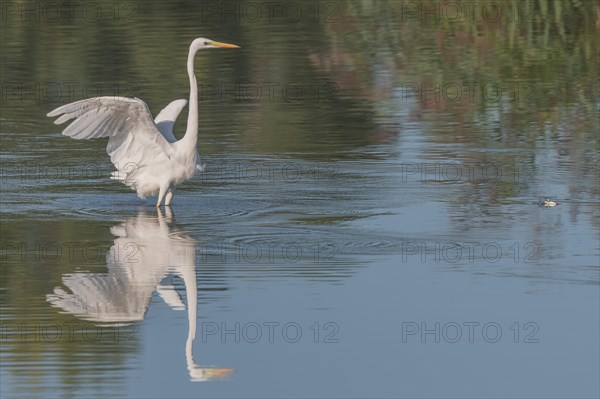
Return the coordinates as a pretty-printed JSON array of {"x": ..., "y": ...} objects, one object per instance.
[
  {"x": 169, "y": 196},
  {"x": 161, "y": 194}
]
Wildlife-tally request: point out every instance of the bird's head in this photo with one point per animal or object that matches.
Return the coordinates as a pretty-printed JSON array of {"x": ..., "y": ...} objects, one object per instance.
[{"x": 202, "y": 43}]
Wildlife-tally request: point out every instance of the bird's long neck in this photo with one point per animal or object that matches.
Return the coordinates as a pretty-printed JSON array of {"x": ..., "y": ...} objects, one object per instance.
[{"x": 191, "y": 133}]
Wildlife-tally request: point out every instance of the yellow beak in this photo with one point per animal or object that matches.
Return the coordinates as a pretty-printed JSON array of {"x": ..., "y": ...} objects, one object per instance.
[{"x": 223, "y": 45}]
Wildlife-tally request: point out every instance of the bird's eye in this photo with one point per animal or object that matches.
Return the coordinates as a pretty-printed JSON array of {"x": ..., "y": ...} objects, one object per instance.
[{"x": 206, "y": 43}]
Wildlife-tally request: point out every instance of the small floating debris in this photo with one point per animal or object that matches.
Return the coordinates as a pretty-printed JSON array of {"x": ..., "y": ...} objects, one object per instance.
[{"x": 549, "y": 203}]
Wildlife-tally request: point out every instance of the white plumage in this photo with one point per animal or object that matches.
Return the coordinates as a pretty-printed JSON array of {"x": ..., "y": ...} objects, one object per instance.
[{"x": 147, "y": 156}]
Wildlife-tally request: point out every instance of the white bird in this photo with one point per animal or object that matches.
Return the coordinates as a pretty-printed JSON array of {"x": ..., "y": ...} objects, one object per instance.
[{"x": 147, "y": 156}]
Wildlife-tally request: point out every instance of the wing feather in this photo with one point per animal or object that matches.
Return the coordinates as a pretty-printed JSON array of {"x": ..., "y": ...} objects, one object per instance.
[{"x": 135, "y": 141}]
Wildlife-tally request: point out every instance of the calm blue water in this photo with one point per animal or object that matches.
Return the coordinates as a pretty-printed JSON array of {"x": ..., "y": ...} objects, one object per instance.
[{"x": 358, "y": 243}]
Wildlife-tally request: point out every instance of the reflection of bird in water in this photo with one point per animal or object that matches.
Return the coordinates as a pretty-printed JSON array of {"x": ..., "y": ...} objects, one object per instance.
[
  {"x": 148, "y": 158},
  {"x": 146, "y": 252}
]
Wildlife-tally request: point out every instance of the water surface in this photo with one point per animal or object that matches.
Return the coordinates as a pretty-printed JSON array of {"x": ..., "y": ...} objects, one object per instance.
[{"x": 369, "y": 222}]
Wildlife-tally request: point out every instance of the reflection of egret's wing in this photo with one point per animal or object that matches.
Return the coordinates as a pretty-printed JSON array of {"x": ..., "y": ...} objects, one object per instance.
[
  {"x": 101, "y": 298},
  {"x": 138, "y": 260}
]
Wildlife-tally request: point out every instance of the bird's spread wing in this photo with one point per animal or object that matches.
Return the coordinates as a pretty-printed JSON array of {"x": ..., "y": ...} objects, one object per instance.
[
  {"x": 166, "y": 119},
  {"x": 134, "y": 139}
]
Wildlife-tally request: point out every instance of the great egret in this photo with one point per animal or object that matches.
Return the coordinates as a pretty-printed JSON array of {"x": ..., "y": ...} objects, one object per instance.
[{"x": 147, "y": 156}]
